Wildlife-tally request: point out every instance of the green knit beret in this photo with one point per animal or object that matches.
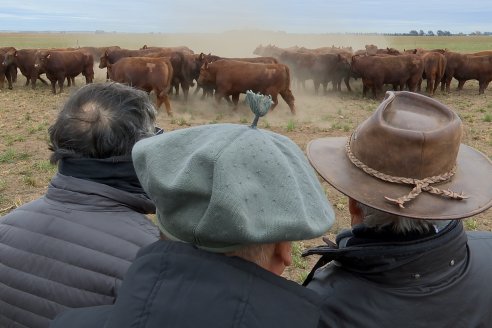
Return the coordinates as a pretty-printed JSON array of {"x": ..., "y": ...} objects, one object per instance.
[{"x": 223, "y": 186}]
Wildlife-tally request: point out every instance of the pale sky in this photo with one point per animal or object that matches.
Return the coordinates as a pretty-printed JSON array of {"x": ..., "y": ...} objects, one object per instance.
[{"x": 192, "y": 16}]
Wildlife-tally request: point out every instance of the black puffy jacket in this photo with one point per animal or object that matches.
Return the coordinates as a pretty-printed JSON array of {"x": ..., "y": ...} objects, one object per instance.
[
  {"x": 68, "y": 249},
  {"x": 173, "y": 284}
]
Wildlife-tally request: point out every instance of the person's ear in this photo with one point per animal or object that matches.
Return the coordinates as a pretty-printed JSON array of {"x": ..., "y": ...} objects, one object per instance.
[
  {"x": 355, "y": 212},
  {"x": 281, "y": 257}
]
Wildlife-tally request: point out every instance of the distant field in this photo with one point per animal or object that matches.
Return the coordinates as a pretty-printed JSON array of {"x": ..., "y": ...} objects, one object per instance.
[{"x": 242, "y": 43}]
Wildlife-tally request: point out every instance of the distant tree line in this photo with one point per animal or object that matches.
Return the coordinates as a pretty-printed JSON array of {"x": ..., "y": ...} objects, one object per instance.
[{"x": 440, "y": 33}]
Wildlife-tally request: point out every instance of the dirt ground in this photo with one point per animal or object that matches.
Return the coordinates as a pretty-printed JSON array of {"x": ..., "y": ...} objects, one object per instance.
[{"x": 26, "y": 114}]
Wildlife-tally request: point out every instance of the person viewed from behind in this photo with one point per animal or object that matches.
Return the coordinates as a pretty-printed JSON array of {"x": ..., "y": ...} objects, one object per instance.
[
  {"x": 407, "y": 261},
  {"x": 71, "y": 247},
  {"x": 230, "y": 200}
]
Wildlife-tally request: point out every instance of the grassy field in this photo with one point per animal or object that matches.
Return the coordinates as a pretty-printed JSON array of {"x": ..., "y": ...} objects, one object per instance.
[{"x": 25, "y": 114}]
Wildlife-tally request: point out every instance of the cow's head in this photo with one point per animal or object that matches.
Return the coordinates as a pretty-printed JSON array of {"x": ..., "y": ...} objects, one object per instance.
[
  {"x": 206, "y": 77},
  {"x": 103, "y": 61},
  {"x": 41, "y": 59},
  {"x": 9, "y": 58}
]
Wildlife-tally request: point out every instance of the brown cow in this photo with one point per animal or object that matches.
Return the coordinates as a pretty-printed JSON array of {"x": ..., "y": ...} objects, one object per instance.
[
  {"x": 321, "y": 68},
  {"x": 272, "y": 51},
  {"x": 212, "y": 58},
  {"x": 232, "y": 78},
  {"x": 24, "y": 60},
  {"x": 376, "y": 71},
  {"x": 184, "y": 49},
  {"x": 59, "y": 65},
  {"x": 464, "y": 67},
  {"x": 177, "y": 58},
  {"x": 434, "y": 68},
  {"x": 145, "y": 73},
  {"x": 8, "y": 70}
]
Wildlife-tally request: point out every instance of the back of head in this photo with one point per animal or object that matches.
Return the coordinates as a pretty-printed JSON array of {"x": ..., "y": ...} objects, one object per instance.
[
  {"x": 101, "y": 120},
  {"x": 397, "y": 224}
]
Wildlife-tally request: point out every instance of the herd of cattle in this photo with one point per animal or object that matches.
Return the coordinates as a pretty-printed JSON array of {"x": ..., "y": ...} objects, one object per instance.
[{"x": 164, "y": 69}]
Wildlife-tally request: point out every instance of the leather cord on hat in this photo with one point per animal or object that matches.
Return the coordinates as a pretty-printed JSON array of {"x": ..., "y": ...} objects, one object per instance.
[{"x": 420, "y": 184}]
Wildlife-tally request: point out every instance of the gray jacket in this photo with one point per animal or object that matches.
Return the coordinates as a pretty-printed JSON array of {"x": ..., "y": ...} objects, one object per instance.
[
  {"x": 68, "y": 249},
  {"x": 441, "y": 280}
]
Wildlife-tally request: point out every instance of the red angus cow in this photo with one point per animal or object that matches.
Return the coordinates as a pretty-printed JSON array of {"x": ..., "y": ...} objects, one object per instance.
[
  {"x": 231, "y": 78},
  {"x": 211, "y": 58},
  {"x": 321, "y": 68},
  {"x": 273, "y": 51},
  {"x": 59, "y": 65},
  {"x": 145, "y": 73},
  {"x": 24, "y": 60},
  {"x": 376, "y": 71},
  {"x": 8, "y": 70},
  {"x": 434, "y": 68},
  {"x": 184, "y": 49},
  {"x": 464, "y": 67},
  {"x": 177, "y": 60}
]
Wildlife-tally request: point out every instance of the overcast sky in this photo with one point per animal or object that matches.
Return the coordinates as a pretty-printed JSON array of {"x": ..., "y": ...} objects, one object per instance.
[{"x": 190, "y": 16}]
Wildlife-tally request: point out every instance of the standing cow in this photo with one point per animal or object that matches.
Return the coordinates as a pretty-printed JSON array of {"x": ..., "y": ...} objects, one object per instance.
[
  {"x": 8, "y": 70},
  {"x": 145, "y": 73},
  {"x": 231, "y": 78},
  {"x": 24, "y": 60},
  {"x": 375, "y": 71},
  {"x": 177, "y": 59},
  {"x": 464, "y": 67},
  {"x": 434, "y": 69},
  {"x": 59, "y": 65}
]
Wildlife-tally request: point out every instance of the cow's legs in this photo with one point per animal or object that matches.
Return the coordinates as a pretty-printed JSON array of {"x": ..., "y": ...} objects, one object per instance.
[
  {"x": 461, "y": 83},
  {"x": 289, "y": 99},
  {"x": 60, "y": 84},
  {"x": 235, "y": 99},
  {"x": 347, "y": 84},
  {"x": 53, "y": 86},
  {"x": 163, "y": 97}
]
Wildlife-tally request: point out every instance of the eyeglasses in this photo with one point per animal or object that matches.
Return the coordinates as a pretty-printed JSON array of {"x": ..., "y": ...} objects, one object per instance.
[{"x": 158, "y": 130}]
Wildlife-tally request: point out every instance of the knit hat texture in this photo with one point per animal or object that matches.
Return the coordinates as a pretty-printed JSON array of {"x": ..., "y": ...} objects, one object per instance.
[{"x": 224, "y": 186}]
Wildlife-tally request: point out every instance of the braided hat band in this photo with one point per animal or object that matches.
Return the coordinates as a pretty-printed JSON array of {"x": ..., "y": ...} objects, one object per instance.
[{"x": 420, "y": 184}]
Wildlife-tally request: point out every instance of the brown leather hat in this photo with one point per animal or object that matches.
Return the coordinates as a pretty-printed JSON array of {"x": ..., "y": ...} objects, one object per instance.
[{"x": 406, "y": 159}]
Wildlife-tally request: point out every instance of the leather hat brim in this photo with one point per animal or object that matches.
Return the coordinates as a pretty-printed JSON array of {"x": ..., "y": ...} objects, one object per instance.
[{"x": 473, "y": 177}]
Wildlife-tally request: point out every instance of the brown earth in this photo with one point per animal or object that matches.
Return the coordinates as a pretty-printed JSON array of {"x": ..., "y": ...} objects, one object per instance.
[{"x": 25, "y": 115}]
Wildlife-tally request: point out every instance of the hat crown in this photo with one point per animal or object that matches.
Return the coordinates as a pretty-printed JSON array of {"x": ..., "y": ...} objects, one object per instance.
[
  {"x": 223, "y": 186},
  {"x": 410, "y": 136}
]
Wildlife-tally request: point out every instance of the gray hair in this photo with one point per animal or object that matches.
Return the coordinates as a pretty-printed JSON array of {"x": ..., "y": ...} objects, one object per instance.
[
  {"x": 101, "y": 120},
  {"x": 374, "y": 218}
]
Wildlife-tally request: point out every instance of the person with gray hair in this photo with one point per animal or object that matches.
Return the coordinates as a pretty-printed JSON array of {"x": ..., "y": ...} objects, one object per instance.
[
  {"x": 406, "y": 261},
  {"x": 71, "y": 247},
  {"x": 230, "y": 200}
]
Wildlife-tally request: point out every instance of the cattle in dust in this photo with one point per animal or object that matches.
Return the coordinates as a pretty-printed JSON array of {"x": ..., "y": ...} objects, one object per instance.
[
  {"x": 145, "y": 73},
  {"x": 184, "y": 49},
  {"x": 59, "y": 65},
  {"x": 177, "y": 58},
  {"x": 375, "y": 71},
  {"x": 231, "y": 78}
]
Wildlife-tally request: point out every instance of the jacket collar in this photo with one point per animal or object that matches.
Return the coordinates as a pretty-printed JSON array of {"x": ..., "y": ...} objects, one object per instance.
[
  {"x": 435, "y": 257},
  {"x": 73, "y": 192}
]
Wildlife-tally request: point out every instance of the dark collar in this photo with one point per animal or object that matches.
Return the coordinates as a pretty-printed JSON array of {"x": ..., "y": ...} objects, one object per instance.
[{"x": 392, "y": 261}]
